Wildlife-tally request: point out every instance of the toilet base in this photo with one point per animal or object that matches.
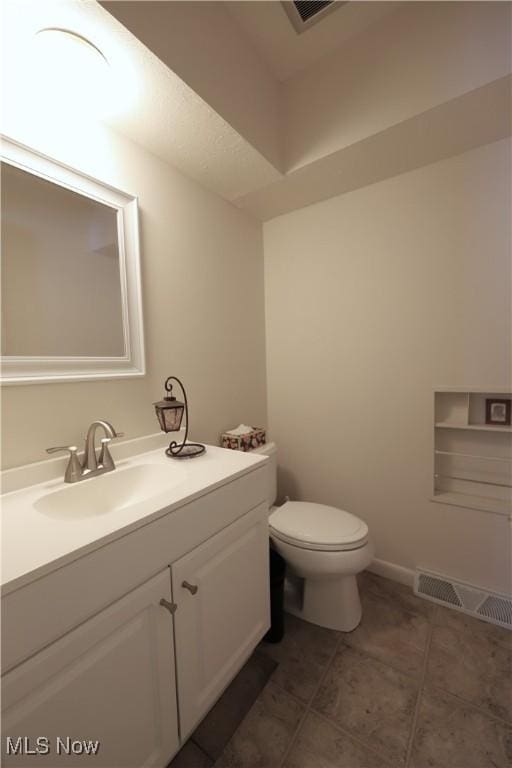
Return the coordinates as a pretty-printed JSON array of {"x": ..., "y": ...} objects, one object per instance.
[{"x": 331, "y": 603}]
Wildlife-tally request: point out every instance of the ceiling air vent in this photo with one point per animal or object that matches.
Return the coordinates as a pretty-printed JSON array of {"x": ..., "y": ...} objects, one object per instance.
[
  {"x": 304, "y": 14},
  {"x": 308, "y": 10}
]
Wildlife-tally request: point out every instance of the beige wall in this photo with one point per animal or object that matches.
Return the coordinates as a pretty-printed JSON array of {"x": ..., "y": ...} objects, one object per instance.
[
  {"x": 373, "y": 299},
  {"x": 202, "y": 272}
]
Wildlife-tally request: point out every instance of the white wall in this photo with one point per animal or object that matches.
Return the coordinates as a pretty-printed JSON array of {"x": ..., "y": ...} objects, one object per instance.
[
  {"x": 202, "y": 273},
  {"x": 373, "y": 299}
]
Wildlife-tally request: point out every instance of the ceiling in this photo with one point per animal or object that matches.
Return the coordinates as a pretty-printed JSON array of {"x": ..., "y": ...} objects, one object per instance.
[
  {"x": 187, "y": 128},
  {"x": 286, "y": 52},
  {"x": 209, "y": 82},
  {"x": 475, "y": 118},
  {"x": 183, "y": 129}
]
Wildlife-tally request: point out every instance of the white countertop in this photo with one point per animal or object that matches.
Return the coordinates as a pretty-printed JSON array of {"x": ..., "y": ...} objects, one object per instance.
[{"x": 34, "y": 542}]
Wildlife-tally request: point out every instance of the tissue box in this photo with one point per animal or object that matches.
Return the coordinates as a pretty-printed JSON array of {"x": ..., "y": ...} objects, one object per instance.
[{"x": 245, "y": 442}]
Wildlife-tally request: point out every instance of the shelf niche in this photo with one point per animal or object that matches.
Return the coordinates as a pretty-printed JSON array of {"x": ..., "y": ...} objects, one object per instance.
[{"x": 472, "y": 460}]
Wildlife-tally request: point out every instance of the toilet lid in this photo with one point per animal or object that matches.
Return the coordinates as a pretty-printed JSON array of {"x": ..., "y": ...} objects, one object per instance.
[{"x": 316, "y": 526}]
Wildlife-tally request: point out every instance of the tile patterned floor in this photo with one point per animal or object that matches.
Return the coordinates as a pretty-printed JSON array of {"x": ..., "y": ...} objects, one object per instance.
[{"x": 414, "y": 686}]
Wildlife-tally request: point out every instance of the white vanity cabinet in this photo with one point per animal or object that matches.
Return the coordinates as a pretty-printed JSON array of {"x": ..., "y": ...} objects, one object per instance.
[
  {"x": 221, "y": 589},
  {"x": 112, "y": 679},
  {"x": 89, "y": 652}
]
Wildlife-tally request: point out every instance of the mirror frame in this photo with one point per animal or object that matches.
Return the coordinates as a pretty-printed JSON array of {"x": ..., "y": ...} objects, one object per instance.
[{"x": 28, "y": 370}]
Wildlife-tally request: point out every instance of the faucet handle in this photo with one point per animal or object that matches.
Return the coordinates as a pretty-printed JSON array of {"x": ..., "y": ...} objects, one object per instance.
[
  {"x": 105, "y": 459},
  {"x": 74, "y": 468},
  {"x": 71, "y": 448}
]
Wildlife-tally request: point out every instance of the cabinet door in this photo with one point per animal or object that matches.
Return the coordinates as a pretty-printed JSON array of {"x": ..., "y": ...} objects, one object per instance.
[
  {"x": 110, "y": 680},
  {"x": 217, "y": 626}
]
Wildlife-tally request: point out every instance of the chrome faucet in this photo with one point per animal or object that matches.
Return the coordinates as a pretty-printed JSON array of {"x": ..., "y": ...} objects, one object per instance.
[{"x": 91, "y": 464}]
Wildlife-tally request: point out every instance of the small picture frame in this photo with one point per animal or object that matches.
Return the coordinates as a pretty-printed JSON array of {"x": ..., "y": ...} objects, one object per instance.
[{"x": 497, "y": 411}]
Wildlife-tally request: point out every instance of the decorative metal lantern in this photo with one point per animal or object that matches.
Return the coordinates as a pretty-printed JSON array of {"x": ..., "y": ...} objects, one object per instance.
[{"x": 169, "y": 412}]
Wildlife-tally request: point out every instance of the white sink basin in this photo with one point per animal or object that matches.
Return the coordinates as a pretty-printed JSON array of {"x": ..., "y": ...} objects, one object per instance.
[
  {"x": 110, "y": 492},
  {"x": 46, "y": 523}
]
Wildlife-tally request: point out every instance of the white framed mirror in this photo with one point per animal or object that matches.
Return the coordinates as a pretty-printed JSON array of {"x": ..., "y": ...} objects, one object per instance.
[{"x": 70, "y": 289}]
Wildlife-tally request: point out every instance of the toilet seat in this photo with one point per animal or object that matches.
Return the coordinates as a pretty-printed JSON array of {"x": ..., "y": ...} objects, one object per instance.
[{"x": 317, "y": 527}]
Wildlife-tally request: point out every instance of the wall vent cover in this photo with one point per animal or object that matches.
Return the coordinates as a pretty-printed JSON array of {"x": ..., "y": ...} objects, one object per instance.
[
  {"x": 304, "y": 14},
  {"x": 494, "y": 608},
  {"x": 497, "y": 609}
]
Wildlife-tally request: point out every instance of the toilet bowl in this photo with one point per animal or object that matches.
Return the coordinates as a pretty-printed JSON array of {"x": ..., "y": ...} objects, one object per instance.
[{"x": 324, "y": 548}]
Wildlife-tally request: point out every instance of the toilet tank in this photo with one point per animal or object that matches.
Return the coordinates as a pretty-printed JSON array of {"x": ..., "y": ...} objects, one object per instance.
[{"x": 270, "y": 450}]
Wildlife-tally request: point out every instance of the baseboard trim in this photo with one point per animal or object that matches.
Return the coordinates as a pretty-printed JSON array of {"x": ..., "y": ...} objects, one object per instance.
[{"x": 393, "y": 571}]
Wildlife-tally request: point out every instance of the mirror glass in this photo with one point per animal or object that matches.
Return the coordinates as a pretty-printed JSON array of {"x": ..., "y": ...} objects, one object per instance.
[
  {"x": 61, "y": 284},
  {"x": 71, "y": 296}
]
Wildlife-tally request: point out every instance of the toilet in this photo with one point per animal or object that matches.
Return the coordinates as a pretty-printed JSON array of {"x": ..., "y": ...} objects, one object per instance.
[{"x": 324, "y": 549}]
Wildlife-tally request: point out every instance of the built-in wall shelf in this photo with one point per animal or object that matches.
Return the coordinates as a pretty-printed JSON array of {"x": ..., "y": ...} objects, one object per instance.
[
  {"x": 483, "y": 504},
  {"x": 474, "y": 390},
  {"x": 472, "y": 463},
  {"x": 482, "y": 427}
]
